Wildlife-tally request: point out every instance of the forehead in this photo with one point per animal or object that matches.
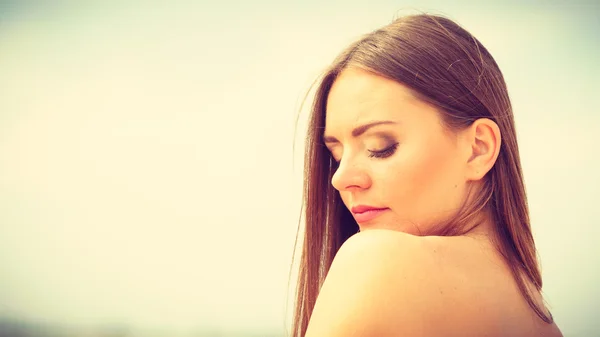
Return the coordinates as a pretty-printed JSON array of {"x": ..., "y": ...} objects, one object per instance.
[{"x": 358, "y": 96}]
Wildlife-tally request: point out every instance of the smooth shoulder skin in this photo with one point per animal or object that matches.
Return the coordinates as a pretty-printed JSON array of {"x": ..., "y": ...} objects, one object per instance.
[
  {"x": 381, "y": 283},
  {"x": 388, "y": 283}
]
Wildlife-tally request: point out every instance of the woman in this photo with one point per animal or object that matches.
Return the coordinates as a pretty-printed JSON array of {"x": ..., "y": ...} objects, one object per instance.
[{"x": 416, "y": 215}]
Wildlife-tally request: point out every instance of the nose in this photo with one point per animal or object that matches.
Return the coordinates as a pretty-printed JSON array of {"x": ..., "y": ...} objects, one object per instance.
[{"x": 350, "y": 176}]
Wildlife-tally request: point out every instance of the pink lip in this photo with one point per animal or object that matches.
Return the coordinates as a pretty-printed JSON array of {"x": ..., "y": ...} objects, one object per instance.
[{"x": 366, "y": 213}]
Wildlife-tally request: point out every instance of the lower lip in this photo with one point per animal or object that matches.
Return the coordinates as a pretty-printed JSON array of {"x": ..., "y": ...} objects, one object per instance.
[{"x": 368, "y": 215}]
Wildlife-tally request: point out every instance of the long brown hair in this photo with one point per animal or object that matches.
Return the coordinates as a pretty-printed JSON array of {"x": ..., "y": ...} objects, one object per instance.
[{"x": 449, "y": 68}]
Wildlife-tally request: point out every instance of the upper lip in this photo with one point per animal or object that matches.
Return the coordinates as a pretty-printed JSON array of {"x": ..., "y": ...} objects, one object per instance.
[{"x": 363, "y": 208}]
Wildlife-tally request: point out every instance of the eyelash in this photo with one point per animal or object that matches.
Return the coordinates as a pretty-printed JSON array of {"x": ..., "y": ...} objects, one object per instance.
[
  {"x": 378, "y": 154},
  {"x": 384, "y": 153}
]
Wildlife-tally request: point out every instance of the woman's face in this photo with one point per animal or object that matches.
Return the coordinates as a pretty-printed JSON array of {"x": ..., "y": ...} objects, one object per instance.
[{"x": 393, "y": 154}]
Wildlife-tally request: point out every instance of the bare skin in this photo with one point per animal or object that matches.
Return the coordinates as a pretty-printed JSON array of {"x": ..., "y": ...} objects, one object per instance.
[
  {"x": 389, "y": 283},
  {"x": 390, "y": 279},
  {"x": 484, "y": 273}
]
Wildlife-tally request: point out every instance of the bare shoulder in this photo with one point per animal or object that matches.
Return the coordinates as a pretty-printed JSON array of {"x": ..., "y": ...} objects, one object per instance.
[
  {"x": 387, "y": 283},
  {"x": 384, "y": 283}
]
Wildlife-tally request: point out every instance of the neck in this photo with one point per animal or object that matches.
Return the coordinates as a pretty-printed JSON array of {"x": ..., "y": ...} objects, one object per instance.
[{"x": 483, "y": 227}]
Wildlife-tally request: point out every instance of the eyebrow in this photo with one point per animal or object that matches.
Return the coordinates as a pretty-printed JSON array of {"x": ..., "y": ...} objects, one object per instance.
[{"x": 357, "y": 131}]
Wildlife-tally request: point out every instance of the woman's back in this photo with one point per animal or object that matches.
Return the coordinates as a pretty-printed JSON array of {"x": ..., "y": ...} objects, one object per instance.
[
  {"x": 444, "y": 286},
  {"x": 478, "y": 267}
]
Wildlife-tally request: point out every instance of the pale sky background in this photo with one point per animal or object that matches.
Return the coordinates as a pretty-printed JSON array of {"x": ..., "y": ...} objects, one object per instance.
[{"x": 146, "y": 169}]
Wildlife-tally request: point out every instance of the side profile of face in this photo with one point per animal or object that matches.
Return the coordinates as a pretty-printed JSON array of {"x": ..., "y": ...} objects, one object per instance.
[{"x": 394, "y": 154}]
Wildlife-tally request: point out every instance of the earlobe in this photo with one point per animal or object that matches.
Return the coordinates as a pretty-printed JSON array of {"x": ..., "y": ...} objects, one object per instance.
[{"x": 485, "y": 140}]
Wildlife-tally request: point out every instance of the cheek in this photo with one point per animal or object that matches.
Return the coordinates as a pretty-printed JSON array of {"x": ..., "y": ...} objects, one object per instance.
[{"x": 420, "y": 179}]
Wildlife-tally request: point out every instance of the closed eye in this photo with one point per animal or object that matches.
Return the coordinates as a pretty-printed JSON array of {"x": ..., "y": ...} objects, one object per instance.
[
  {"x": 383, "y": 153},
  {"x": 387, "y": 152}
]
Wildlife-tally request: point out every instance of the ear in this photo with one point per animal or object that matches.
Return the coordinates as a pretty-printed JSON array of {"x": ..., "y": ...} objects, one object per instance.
[{"x": 484, "y": 140}]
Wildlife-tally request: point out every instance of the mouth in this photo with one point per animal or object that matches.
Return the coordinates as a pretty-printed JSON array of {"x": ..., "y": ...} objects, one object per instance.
[{"x": 366, "y": 213}]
